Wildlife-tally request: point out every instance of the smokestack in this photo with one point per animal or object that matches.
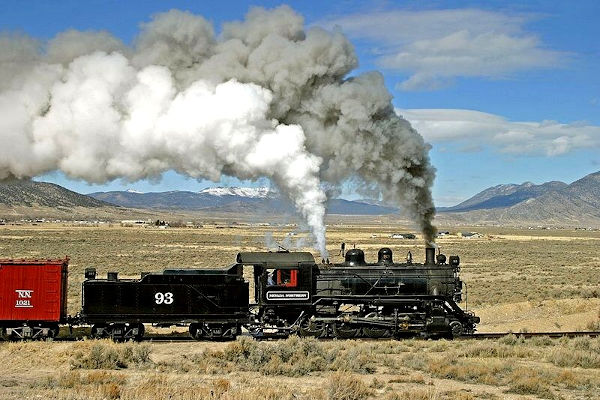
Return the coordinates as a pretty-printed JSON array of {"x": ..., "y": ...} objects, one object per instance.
[{"x": 430, "y": 255}]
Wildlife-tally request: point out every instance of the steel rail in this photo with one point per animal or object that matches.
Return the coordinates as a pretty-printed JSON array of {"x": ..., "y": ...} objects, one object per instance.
[{"x": 474, "y": 336}]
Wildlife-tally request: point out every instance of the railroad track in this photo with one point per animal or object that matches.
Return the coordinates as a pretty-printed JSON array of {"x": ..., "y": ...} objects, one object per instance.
[
  {"x": 476, "y": 336},
  {"x": 554, "y": 335}
]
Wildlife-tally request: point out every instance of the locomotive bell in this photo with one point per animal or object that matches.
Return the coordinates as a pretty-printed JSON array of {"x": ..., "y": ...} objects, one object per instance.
[
  {"x": 384, "y": 256},
  {"x": 355, "y": 257},
  {"x": 455, "y": 261}
]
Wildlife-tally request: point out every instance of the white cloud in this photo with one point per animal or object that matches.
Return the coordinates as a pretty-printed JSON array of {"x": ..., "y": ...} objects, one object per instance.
[
  {"x": 474, "y": 130},
  {"x": 436, "y": 46}
]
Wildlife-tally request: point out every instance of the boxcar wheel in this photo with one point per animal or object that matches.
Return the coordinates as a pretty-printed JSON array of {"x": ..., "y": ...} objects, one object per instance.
[{"x": 53, "y": 331}]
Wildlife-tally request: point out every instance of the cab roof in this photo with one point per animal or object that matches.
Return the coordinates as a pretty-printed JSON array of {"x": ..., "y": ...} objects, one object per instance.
[{"x": 280, "y": 257}]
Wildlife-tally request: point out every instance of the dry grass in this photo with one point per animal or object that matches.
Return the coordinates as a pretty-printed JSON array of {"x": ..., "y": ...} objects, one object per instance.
[
  {"x": 305, "y": 369},
  {"x": 291, "y": 357},
  {"x": 517, "y": 280},
  {"x": 105, "y": 354}
]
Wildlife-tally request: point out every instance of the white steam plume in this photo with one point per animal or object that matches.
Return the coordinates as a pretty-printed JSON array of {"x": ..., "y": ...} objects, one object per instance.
[{"x": 264, "y": 98}]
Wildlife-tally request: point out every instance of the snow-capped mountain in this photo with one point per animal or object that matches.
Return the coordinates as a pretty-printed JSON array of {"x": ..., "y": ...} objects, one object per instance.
[{"x": 255, "y": 193}]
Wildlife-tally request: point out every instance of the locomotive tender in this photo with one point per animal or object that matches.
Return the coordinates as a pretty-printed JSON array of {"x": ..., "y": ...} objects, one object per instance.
[{"x": 292, "y": 295}]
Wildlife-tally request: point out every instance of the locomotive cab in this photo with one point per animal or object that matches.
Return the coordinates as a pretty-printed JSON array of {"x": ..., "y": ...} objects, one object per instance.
[
  {"x": 283, "y": 285},
  {"x": 280, "y": 277}
]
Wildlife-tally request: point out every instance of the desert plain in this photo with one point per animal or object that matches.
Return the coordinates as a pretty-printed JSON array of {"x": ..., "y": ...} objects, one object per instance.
[{"x": 526, "y": 279}]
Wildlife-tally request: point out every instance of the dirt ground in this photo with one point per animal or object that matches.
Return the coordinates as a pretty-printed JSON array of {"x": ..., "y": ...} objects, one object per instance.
[{"x": 517, "y": 280}]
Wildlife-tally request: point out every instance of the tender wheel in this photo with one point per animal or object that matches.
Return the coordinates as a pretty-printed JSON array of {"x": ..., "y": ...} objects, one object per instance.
[
  {"x": 195, "y": 331},
  {"x": 311, "y": 328},
  {"x": 140, "y": 333},
  {"x": 344, "y": 330},
  {"x": 456, "y": 329},
  {"x": 98, "y": 332}
]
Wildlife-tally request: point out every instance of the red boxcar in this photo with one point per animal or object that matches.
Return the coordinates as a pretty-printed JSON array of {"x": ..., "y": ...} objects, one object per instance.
[{"x": 33, "y": 297}]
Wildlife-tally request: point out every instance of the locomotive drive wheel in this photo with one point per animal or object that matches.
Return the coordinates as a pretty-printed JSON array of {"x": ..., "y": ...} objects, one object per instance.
[
  {"x": 344, "y": 330},
  {"x": 311, "y": 328},
  {"x": 377, "y": 333},
  {"x": 456, "y": 329}
]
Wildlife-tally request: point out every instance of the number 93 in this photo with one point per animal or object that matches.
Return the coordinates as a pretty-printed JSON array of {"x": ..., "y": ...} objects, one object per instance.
[{"x": 163, "y": 298}]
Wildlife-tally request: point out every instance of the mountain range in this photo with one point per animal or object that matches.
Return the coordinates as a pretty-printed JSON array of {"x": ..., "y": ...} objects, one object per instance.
[
  {"x": 553, "y": 202},
  {"x": 231, "y": 199},
  {"x": 28, "y": 193},
  {"x": 549, "y": 203},
  {"x": 24, "y": 198}
]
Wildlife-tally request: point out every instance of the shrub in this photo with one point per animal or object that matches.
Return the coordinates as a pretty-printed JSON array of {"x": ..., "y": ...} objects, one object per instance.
[
  {"x": 414, "y": 394},
  {"x": 292, "y": 357},
  {"x": 341, "y": 386},
  {"x": 565, "y": 357},
  {"x": 108, "y": 355},
  {"x": 510, "y": 340},
  {"x": 490, "y": 349},
  {"x": 527, "y": 381}
]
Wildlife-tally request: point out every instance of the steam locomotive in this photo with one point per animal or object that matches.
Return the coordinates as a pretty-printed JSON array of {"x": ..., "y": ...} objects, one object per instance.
[{"x": 293, "y": 295}]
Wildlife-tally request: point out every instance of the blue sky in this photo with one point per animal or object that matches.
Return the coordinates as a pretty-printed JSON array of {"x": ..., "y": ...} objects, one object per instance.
[{"x": 505, "y": 92}]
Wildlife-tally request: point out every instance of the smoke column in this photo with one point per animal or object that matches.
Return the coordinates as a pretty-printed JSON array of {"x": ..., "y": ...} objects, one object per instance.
[{"x": 264, "y": 98}]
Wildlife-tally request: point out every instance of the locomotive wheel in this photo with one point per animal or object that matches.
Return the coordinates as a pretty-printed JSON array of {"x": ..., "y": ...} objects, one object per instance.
[
  {"x": 230, "y": 332},
  {"x": 374, "y": 331},
  {"x": 456, "y": 329},
  {"x": 140, "y": 335},
  {"x": 53, "y": 332},
  {"x": 377, "y": 333},
  {"x": 344, "y": 330},
  {"x": 312, "y": 328},
  {"x": 98, "y": 332},
  {"x": 196, "y": 331}
]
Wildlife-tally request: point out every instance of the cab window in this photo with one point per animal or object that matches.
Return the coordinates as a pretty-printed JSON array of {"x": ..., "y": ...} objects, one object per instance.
[{"x": 282, "y": 277}]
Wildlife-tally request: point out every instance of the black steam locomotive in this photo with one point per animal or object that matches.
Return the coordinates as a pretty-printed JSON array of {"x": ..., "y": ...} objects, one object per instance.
[{"x": 292, "y": 295}]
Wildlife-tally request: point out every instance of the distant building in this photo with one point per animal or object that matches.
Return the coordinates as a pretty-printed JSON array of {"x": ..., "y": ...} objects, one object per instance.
[
  {"x": 443, "y": 233},
  {"x": 402, "y": 236},
  {"x": 131, "y": 222},
  {"x": 470, "y": 235}
]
